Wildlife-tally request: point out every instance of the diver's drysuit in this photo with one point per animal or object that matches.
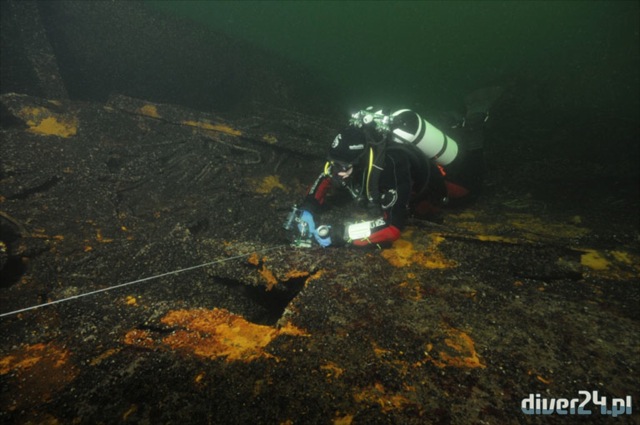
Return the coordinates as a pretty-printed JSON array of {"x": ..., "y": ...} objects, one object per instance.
[{"x": 392, "y": 181}]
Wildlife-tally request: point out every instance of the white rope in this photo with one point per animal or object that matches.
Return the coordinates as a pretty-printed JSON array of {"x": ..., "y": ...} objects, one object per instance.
[{"x": 97, "y": 291}]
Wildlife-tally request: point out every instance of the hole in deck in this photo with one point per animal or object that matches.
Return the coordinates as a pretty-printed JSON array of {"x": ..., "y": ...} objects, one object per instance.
[
  {"x": 11, "y": 271},
  {"x": 255, "y": 303}
]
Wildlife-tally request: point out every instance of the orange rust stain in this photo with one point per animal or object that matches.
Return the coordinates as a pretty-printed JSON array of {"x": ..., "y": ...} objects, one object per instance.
[
  {"x": 292, "y": 274},
  {"x": 39, "y": 371},
  {"x": 199, "y": 377},
  {"x": 412, "y": 288},
  {"x": 218, "y": 333},
  {"x": 290, "y": 329},
  {"x": 317, "y": 275},
  {"x": 403, "y": 253},
  {"x": 463, "y": 345},
  {"x": 133, "y": 409},
  {"x": 417, "y": 294},
  {"x": 470, "y": 293},
  {"x": 332, "y": 370},
  {"x": 222, "y": 128},
  {"x": 101, "y": 238},
  {"x": 97, "y": 360},
  {"x": 459, "y": 351},
  {"x": 543, "y": 380},
  {"x": 32, "y": 355},
  {"x": 254, "y": 259},
  {"x": 150, "y": 111},
  {"x": 408, "y": 387},
  {"x": 45, "y": 122},
  {"x": 266, "y": 274},
  {"x": 616, "y": 265},
  {"x": 268, "y": 277},
  {"x": 380, "y": 352},
  {"x": 270, "y": 138},
  {"x": 54, "y": 237},
  {"x": 343, "y": 420},
  {"x": 377, "y": 394},
  {"x": 213, "y": 334},
  {"x": 268, "y": 185},
  {"x": 140, "y": 338}
]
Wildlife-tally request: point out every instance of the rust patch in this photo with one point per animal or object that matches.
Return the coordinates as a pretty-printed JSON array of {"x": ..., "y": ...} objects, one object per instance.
[
  {"x": 268, "y": 184},
  {"x": 270, "y": 138},
  {"x": 149, "y": 111},
  {"x": 616, "y": 265},
  {"x": 527, "y": 226},
  {"x": 213, "y": 334},
  {"x": 100, "y": 238},
  {"x": 457, "y": 350},
  {"x": 403, "y": 253},
  {"x": 271, "y": 279},
  {"x": 293, "y": 274},
  {"x": 40, "y": 371},
  {"x": 265, "y": 273},
  {"x": 254, "y": 259},
  {"x": 132, "y": 409},
  {"x": 380, "y": 352},
  {"x": 411, "y": 288},
  {"x": 43, "y": 121},
  {"x": 343, "y": 420},
  {"x": 543, "y": 380},
  {"x": 594, "y": 260},
  {"x": 332, "y": 370},
  {"x": 268, "y": 277},
  {"x": 535, "y": 228},
  {"x": 99, "y": 359},
  {"x": 221, "y": 128},
  {"x": 377, "y": 395},
  {"x": 289, "y": 329},
  {"x": 140, "y": 338},
  {"x": 131, "y": 300}
]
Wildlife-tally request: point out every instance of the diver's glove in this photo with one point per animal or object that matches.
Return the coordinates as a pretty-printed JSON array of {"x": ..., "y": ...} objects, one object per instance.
[
  {"x": 306, "y": 224},
  {"x": 323, "y": 235}
]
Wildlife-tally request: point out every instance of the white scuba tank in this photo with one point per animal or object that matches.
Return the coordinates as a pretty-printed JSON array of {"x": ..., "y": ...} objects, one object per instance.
[{"x": 411, "y": 128}]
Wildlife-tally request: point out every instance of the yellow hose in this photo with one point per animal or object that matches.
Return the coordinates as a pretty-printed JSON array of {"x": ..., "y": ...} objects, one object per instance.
[{"x": 369, "y": 171}]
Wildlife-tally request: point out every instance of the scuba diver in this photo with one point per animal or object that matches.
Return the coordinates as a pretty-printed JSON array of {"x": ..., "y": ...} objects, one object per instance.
[{"x": 395, "y": 166}]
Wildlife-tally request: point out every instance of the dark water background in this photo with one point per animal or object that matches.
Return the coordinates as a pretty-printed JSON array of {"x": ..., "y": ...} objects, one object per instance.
[
  {"x": 570, "y": 68},
  {"x": 430, "y": 54}
]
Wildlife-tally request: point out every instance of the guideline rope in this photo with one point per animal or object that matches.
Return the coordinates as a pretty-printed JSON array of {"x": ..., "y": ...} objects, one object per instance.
[{"x": 133, "y": 282}]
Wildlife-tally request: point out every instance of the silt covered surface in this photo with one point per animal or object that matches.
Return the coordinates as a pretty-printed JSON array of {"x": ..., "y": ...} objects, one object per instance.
[
  {"x": 522, "y": 293},
  {"x": 146, "y": 278}
]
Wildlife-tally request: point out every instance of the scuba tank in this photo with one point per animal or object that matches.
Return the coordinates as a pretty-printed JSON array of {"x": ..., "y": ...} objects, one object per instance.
[
  {"x": 405, "y": 127},
  {"x": 409, "y": 127}
]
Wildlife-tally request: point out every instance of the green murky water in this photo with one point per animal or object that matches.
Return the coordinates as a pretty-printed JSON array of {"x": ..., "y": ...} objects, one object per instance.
[{"x": 426, "y": 54}]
